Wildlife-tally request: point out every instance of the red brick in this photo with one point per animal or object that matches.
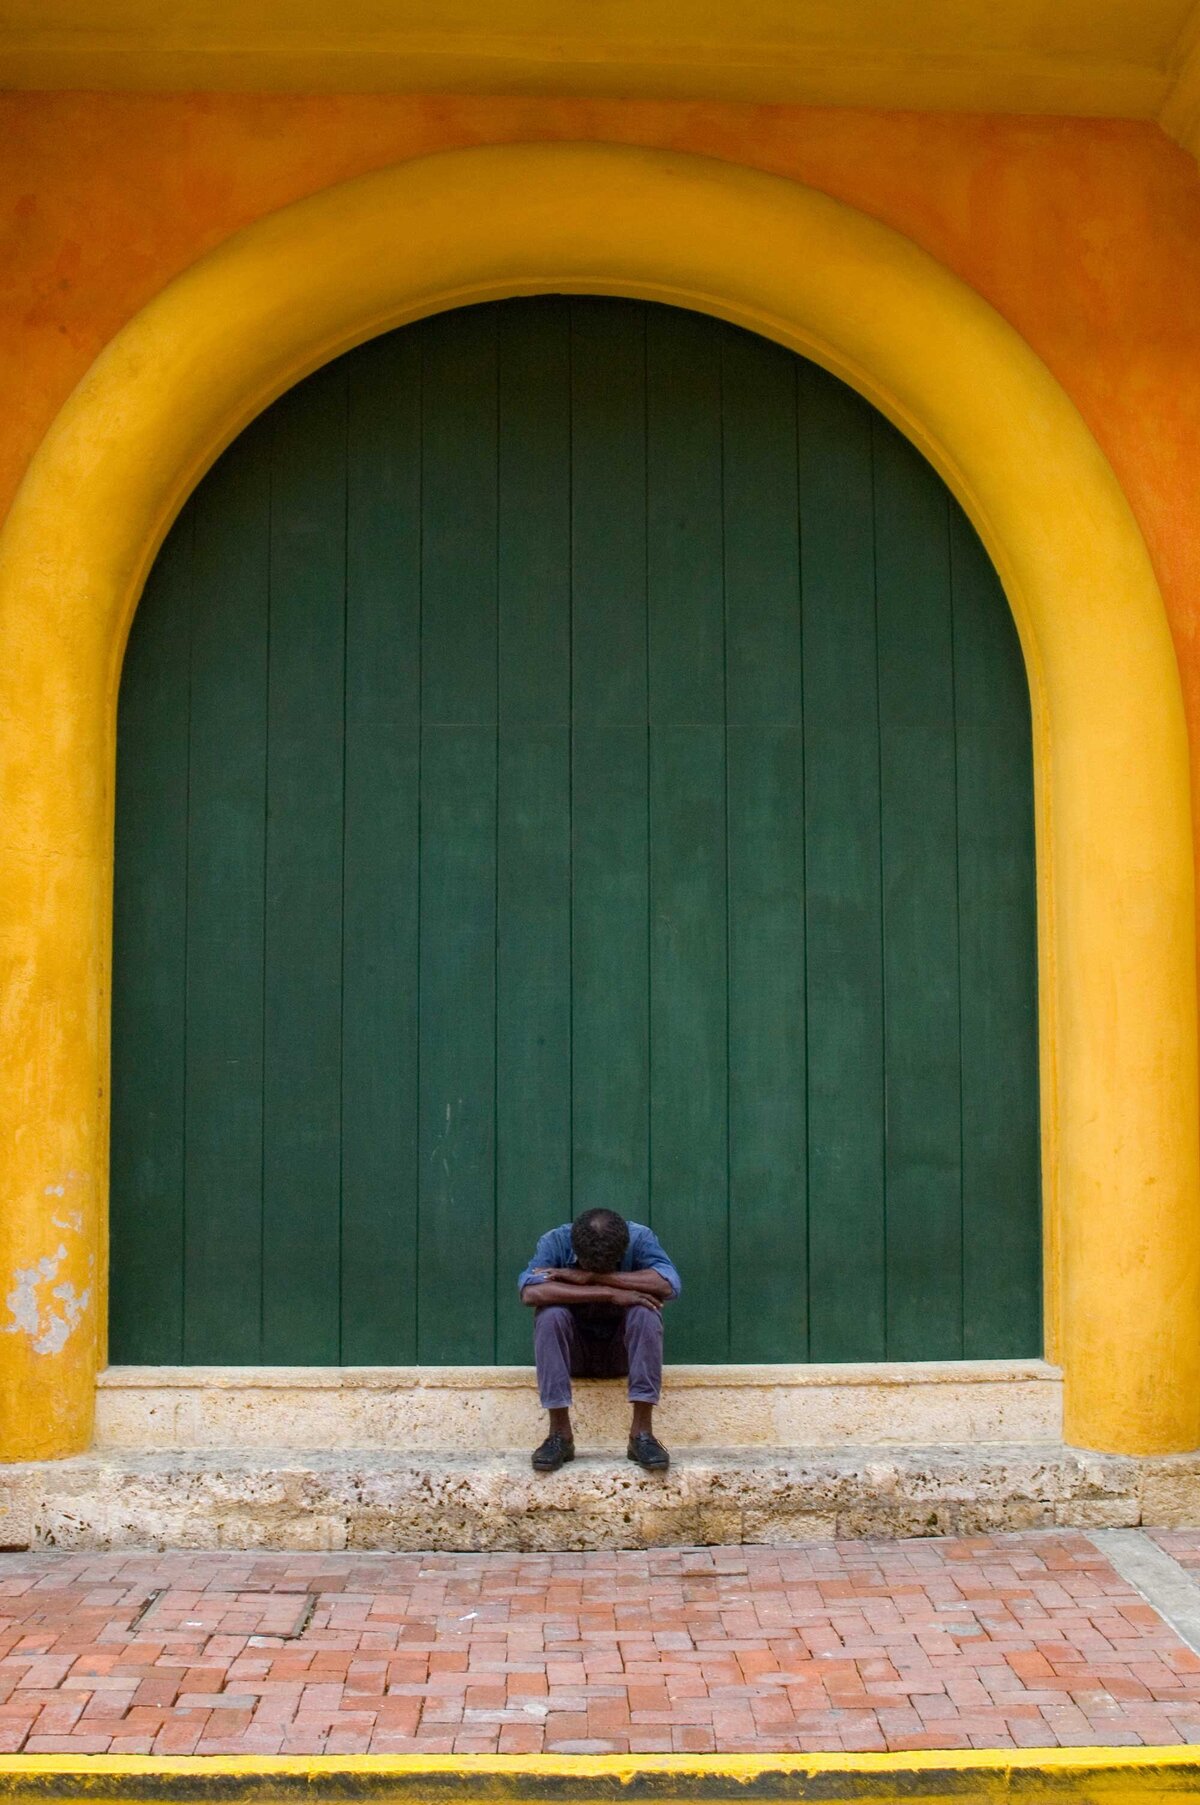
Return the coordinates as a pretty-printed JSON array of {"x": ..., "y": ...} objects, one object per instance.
[
  {"x": 644, "y": 1697},
  {"x": 76, "y": 1744},
  {"x": 607, "y": 1714},
  {"x": 520, "y": 1739},
  {"x": 751, "y": 1649},
  {"x": 526, "y": 1685},
  {"x": 693, "y": 1741}
]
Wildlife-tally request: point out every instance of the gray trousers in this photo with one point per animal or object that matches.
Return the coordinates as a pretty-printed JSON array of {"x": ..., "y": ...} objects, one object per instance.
[{"x": 563, "y": 1350}]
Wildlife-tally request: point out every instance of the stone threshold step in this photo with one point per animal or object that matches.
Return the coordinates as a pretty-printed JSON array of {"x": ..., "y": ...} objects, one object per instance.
[
  {"x": 403, "y": 1409},
  {"x": 289, "y": 1499}
]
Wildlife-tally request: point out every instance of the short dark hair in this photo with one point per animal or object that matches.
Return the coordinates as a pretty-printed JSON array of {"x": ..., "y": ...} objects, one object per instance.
[{"x": 600, "y": 1238}]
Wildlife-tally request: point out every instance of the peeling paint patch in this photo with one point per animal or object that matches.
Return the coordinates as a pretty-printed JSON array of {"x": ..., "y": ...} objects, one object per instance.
[
  {"x": 46, "y": 1312},
  {"x": 54, "y": 1338},
  {"x": 22, "y": 1300}
]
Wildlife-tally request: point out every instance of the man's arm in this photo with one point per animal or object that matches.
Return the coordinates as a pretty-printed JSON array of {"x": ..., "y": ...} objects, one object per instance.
[
  {"x": 560, "y": 1291},
  {"x": 553, "y": 1289},
  {"x": 648, "y": 1255},
  {"x": 647, "y": 1282},
  {"x": 551, "y": 1248}
]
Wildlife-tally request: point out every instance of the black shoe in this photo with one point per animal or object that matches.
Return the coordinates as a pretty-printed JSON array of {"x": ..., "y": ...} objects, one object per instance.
[
  {"x": 649, "y": 1452},
  {"x": 553, "y": 1452}
]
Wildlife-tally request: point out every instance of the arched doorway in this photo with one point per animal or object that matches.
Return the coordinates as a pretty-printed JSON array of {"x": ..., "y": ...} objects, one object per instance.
[
  {"x": 1117, "y": 1027},
  {"x": 571, "y": 752}
]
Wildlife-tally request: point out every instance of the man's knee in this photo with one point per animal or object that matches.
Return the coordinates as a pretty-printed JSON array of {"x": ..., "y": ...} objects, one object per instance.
[
  {"x": 643, "y": 1326},
  {"x": 552, "y": 1319}
]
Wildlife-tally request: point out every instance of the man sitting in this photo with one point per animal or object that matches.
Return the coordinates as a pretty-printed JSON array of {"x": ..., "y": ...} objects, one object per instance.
[{"x": 598, "y": 1285}]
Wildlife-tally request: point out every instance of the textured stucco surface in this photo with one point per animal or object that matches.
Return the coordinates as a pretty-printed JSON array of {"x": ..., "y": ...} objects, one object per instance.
[{"x": 1084, "y": 234}]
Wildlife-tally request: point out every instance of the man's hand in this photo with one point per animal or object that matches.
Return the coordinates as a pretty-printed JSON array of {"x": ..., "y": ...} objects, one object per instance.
[{"x": 570, "y": 1275}]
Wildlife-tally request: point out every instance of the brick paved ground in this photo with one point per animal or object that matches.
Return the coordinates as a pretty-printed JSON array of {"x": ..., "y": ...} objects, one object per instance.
[
  {"x": 1027, "y": 1640},
  {"x": 1182, "y": 1544}
]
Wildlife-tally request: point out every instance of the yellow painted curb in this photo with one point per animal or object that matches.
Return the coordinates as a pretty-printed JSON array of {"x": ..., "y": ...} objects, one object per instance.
[{"x": 1114, "y": 1774}]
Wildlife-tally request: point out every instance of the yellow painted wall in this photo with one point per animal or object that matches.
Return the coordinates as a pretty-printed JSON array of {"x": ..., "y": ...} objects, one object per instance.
[{"x": 1085, "y": 235}]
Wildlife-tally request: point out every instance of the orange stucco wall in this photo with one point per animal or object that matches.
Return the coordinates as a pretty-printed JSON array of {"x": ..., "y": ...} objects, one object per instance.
[{"x": 1084, "y": 234}]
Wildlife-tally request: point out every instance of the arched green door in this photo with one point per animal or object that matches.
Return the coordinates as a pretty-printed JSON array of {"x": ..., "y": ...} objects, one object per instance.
[{"x": 573, "y": 752}]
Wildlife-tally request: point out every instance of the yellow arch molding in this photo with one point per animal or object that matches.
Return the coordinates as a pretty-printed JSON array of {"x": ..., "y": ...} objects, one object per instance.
[{"x": 1119, "y": 1050}]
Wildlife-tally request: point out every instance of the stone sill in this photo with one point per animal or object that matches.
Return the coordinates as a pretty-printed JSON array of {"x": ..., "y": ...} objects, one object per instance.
[
  {"x": 473, "y": 1408},
  {"x": 322, "y": 1500}
]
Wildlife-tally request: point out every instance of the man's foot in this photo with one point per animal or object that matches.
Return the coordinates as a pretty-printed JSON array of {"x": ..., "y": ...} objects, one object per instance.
[
  {"x": 649, "y": 1452},
  {"x": 553, "y": 1452}
]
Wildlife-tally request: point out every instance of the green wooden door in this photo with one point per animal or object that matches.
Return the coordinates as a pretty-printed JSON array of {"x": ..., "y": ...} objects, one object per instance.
[{"x": 573, "y": 752}]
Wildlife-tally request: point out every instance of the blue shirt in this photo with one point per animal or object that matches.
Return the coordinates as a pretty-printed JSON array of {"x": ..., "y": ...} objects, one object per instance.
[{"x": 643, "y": 1254}]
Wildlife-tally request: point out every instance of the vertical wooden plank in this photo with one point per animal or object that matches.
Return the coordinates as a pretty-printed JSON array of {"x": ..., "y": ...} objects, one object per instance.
[
  {"x": 533, "y": 545},
  {"x": 767, "y": 1179},
  {"x": 303, "y": 981},
  {"x": 608, "y": 512},
  {"x": 533, "y": 1034},
  {"x": 843, "y": 905},
  {"x": 764, "y": 649},
  {"x": 458, "y": 627},
  {"x": 457, "y": 1248},
  {"x": 920, "y": 905},
  {"x": 767, "y": 1187},
  {"x": 997, "y": 924},
  {"x": 609, "y": 964},
  {"x": 380, "y": 880},
  {"x": 457, "y": 1231},
  {"x": 689, "y": 1177},
  {"x": 227, "y": 826},
  {"x": 149, "y": 940},
  {"x": 689, "y": 1202},
  {"x": 685, "y": 539},
  {"x": 533, "y": 840},
  {"x": 609, "y": 794}
]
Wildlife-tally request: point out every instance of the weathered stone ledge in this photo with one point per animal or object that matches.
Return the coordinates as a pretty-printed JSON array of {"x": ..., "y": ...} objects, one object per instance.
[
  {"x": 433, "y": 1409},
  {"x": 327, "y": 1500}
]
